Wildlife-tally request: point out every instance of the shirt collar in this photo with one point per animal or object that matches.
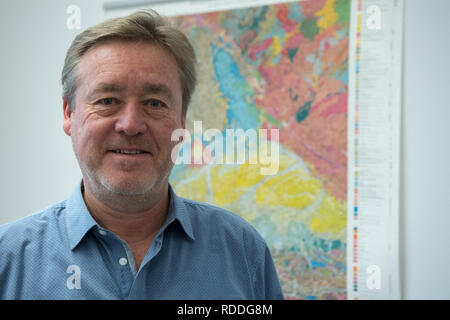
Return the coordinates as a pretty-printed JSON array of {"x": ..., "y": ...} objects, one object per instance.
[
  {"x": 177, "y": 210},
  {"x": 79, "y": 221}
]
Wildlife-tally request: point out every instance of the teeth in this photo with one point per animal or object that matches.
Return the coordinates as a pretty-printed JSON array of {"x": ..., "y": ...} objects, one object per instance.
[{"x": 128, "y": 151}]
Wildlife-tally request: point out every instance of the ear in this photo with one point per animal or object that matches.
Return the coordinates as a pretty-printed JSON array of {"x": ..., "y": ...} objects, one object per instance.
[{"x": 67, "y": 124}]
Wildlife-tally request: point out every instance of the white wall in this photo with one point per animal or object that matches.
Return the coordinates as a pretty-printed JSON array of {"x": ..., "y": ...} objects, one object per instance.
[
  {"x": 38, "y": 167},
  {"x": 425, "y": 234}
]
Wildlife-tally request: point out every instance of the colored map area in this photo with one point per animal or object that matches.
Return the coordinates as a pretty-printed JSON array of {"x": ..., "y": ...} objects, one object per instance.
[{"x": 281, "y": 66}]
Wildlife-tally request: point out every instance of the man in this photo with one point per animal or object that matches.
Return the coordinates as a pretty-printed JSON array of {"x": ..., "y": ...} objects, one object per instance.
[{"x": 124, "y": 233}]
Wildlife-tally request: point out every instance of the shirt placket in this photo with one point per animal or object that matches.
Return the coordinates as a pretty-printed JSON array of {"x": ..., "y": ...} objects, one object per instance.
[
  {"x": 138, "y": 290},
  {"x": 122, "y": 260}
]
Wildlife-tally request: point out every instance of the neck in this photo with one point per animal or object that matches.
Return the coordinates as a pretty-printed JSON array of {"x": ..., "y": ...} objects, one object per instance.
[{"x": 136, "y": 221}]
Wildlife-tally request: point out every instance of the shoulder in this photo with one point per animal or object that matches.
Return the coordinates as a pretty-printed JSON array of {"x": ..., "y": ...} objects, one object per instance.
[
  {"x": 240, "y": 246},
  {"x": 17, "y": 233},
  {"x": 211, "y": 219}
]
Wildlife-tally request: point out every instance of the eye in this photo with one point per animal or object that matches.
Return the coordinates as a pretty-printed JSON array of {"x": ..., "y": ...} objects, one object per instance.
[
  {"x": 156, "y": 104},
  {"x": 107, "y": 101}
]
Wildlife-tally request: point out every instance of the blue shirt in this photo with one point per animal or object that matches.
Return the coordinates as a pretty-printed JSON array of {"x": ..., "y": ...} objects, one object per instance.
[{"x": 201, "y": 252}]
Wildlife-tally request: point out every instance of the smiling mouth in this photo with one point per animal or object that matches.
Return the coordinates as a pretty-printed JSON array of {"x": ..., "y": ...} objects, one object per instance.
[{"x": 129, "y": 152}]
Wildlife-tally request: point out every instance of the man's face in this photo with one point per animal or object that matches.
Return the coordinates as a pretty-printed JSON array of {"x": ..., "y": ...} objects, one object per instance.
[{"x": 127, "y": 104}]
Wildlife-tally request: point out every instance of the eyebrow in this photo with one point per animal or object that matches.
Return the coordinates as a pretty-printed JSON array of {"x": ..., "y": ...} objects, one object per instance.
[
  {"x": 104, "y": 87},
  {"x": 157, "y": 88},
  {"x": 146, "y": 88}
]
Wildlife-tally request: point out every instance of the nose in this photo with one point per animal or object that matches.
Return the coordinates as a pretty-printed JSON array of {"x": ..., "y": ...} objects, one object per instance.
[{"x": 130, "y": 120}]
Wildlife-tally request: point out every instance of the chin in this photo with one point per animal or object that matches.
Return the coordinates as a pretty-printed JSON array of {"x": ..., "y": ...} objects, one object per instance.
[{"x": 128, "y": 187}]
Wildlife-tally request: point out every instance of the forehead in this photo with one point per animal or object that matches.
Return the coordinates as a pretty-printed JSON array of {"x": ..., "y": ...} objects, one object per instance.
[{"x": 128, "y": 64}]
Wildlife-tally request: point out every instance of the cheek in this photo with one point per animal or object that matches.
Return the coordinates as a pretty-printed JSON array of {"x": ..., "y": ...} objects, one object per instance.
[{"x": 89, "y": 136}]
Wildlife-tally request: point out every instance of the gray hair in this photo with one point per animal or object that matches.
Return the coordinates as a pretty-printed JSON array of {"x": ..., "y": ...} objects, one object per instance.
[{"x": 147, "y": 26}]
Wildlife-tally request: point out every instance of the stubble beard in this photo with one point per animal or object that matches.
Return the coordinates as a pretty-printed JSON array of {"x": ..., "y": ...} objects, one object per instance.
[{"x": 129, "y": 196}]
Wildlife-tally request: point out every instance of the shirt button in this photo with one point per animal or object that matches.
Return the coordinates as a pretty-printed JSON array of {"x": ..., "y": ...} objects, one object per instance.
[
  {"x": 123, "y": 261},
  {"x": 102, "y": 232}
]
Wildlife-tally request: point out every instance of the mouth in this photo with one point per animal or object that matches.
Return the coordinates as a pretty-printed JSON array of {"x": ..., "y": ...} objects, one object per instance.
[{"x": 130, "y": 152}]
